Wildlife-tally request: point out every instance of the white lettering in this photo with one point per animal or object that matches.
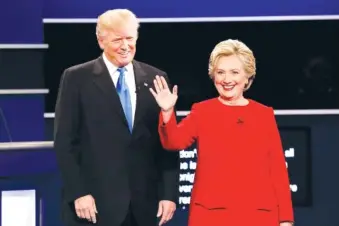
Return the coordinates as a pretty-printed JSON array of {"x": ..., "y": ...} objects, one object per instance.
[
  {"x": 183, "y": 165},
  {"x": 187, "y": 177},
  {"x": 193, "y": 165},
  {"x": 289, "y": 153},
  {"x": 294, "y": 187},
  {"x": 184, "y": 200},
  {"x": 188, "y": 154},
  {"x": 185, "y": 188}
]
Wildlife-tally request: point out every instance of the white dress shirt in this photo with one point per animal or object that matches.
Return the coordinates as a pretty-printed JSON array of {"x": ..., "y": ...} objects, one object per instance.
[{"x": 130, "y": 81}]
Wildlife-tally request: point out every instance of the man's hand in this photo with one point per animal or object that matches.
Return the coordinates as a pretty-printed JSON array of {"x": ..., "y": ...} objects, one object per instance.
[
  {"x": 286, "y": 224},
  {"x": 166, "y": 210},
  {"x": 85, "y": 208}
]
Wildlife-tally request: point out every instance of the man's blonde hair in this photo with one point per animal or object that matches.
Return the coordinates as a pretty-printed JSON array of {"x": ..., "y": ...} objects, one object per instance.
[
  {"x": 234, "y": 47},
  {"x": 114, "y": 18}
]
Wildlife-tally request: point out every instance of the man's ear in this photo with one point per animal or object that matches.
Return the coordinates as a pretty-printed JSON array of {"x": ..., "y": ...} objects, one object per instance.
[{"x": 100, "y": 42}]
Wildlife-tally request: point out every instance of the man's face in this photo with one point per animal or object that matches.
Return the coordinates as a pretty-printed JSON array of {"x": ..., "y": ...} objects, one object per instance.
[{"x": 119, "y": 45}]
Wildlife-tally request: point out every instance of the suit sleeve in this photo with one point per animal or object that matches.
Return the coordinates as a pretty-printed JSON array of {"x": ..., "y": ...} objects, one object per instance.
[
  {"x": 279, "y": 173},
  {"x": 66, "y": 125}
]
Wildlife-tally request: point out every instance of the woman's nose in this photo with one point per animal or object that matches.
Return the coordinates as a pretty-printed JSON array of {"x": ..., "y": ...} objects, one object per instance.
[{"x": 226, "y": 79}]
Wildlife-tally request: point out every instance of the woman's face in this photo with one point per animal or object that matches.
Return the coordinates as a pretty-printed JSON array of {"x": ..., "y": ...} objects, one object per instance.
[{"x": 230, "y": 77}]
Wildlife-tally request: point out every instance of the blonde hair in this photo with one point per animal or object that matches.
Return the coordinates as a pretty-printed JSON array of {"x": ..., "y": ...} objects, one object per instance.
[
  {"x": 114, "y": 18},
  {"x": 234, "y": 47}
]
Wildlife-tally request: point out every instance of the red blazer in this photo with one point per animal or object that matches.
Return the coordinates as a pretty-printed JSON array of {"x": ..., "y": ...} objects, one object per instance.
[{"x": 240, "y": 162}]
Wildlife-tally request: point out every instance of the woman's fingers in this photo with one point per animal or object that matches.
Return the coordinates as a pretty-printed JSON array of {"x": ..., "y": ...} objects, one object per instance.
[
  {"x": 153, "y": 92},
  {"x": 156, "y": 86},
  {"x": 164, "y": 83}
]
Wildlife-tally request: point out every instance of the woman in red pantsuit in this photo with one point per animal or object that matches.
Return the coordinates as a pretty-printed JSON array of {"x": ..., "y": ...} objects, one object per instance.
[{"x": 241, "y": 177}]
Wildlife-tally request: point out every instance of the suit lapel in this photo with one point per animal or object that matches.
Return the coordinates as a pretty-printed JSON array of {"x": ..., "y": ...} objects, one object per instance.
[
  {"x": 140, "y": 82},
  {"x": 104, "y": 82}
]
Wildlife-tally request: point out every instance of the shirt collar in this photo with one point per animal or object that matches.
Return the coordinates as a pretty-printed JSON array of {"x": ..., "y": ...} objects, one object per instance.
[{"x": 112, "y": 68}]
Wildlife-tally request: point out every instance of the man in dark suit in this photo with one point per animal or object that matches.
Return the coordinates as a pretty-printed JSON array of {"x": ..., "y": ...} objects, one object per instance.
[{"x": 114, "y": 170}]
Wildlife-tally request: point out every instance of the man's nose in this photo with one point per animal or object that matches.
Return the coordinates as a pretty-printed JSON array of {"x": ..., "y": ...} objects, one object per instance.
[{"x": 124, "y": 44}]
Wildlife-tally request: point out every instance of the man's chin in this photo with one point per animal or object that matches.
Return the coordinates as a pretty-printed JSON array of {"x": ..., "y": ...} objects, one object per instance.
[{"x": 124, "y": 62}]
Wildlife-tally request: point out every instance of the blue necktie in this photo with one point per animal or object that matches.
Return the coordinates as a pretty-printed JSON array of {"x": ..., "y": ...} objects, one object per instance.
[{"x": 125, "y": 97}]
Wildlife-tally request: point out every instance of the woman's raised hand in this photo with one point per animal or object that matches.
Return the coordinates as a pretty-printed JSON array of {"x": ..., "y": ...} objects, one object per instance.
[{"x": 162, "y": 94}]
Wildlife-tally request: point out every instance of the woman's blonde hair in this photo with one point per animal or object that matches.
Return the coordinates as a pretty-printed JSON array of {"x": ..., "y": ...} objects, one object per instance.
[{"x": 234, "y": 47}]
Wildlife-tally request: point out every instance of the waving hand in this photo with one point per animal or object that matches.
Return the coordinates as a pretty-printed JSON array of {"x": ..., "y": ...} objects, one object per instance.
[{"x": 162, "y": 94}]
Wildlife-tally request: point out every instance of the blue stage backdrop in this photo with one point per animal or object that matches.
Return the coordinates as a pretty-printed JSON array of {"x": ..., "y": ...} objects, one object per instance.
[
  {"x": 34, "y": 169},
  {"x": 190, "y": 8},
  {"x": 21, "y": 20}
]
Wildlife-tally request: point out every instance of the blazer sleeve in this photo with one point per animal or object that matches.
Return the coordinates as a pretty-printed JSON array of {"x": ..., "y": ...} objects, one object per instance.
[
  {"x": 176, "y": 137},
  {"x": 66, "y": 125},
  {"x": 279, "y": 173}
]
